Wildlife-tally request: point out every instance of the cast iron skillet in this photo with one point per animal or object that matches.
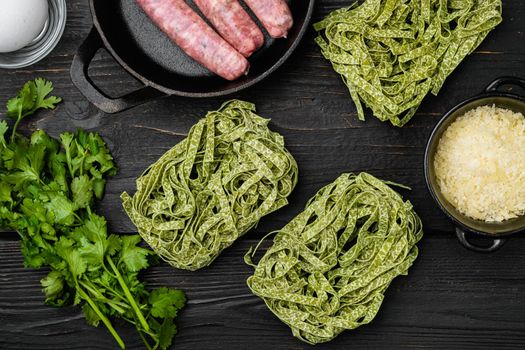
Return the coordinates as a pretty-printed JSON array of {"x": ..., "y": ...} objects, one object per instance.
[
  {"x": 146, "y": 53},
  {"x": 497, "y": 232}
]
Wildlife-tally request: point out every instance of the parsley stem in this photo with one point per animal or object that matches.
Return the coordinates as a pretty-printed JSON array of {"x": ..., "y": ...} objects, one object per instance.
[
  {"x": 133, "y": 321},
  {"x": 69, "y": 162},
  {"x": 117, "y": 305},
  {"x": 103, "y": 318},
  {"x": 130, "y": 298},
  {"x": 16, "y": 126},
  {"x": 19, "y": 119},
  {"x": 77, "y": 217},
  {"x": 144, "y": 340},
  {"x": 113, "y": 291}
]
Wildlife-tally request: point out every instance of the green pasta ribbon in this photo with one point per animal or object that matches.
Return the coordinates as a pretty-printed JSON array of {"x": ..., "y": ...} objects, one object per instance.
[
  {"x": 212, "y": 187},
  {"x": 328, "y": 268},
  {"x": 392, "y": 53}
]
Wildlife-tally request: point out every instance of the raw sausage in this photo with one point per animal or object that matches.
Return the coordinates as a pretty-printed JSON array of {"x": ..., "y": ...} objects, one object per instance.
[
  {"x": 189, "y": 31},
  {"x": 233, "y": 23},
  {"x": 274, "y": 15}
]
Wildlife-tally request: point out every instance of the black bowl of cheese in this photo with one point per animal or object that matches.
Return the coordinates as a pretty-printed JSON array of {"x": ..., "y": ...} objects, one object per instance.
[{"x": 475, "y": 165}]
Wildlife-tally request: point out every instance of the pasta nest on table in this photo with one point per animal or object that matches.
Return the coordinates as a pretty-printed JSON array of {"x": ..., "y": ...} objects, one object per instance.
[
  {"x": 212, "y": 187},
  {"x": 328, "y": 268}
]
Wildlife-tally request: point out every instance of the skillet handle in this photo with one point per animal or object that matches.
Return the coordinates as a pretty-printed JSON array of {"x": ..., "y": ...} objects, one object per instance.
[
  {"x": 505, "y": 81},
  {"x": 79, "y": 76},
  {"x": 496, "y": 244}
]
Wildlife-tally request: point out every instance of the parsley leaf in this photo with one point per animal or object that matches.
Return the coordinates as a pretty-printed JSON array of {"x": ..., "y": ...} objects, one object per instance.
[
  {"x": 90, "y": 315},
  {"x": 65, "y": 249},
  {"x": 134, "y": 257},
  {"x": 82, "y": 190},
  {"x": 5, "y": 192},
  {"x": 62, "y": 208},
  {"x": 47, "y": 191},
  {"x": 43, "y": 89},
  {"x": 3, "y": 130},
  {"x": 166, "y": 333},
  {"x": 53, "y": 285},
  {"x": 23, "y": 102},
  {"x": 32, "y": 97},
  {"x": 166, "y": 302}
]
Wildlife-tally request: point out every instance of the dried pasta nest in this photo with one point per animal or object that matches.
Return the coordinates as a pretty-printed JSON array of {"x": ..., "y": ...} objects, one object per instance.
[
  {"x": 328, "y": 268},
  {"x": 392, "y": 53},
  {"x": 212, "y": 187}
]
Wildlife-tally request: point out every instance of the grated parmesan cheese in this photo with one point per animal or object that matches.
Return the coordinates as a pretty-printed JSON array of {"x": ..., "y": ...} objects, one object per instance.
[{"x": 480, "y": 164}]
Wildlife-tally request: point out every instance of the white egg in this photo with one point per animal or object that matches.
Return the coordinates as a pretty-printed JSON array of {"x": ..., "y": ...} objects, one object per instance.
[{"x": 20, "y": 22}]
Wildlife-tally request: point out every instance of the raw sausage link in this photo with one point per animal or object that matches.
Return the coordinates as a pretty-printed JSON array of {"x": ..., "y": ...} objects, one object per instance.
[
  {"x": 189, "y": 31},
  {"x": 233, "y": 23},
  {"x": 274, "y": 15}
]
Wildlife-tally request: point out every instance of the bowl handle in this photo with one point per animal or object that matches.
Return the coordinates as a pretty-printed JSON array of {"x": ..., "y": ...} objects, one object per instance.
[
  {"x": 505, "y": 81},
  {"x": 79, "y": 77},
  {"x": 496, "y": 244}
]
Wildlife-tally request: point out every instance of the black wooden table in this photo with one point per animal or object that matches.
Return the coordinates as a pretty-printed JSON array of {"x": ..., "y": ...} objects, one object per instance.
[{"x": 452, "y": 298}]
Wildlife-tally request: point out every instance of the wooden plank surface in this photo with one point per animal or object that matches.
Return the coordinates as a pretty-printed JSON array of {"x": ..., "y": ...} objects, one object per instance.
[{"x": 452, "y": 299}]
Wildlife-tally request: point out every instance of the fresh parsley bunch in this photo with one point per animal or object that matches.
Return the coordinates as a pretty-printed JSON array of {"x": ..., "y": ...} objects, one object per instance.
[{"x": 47, "y": 192}]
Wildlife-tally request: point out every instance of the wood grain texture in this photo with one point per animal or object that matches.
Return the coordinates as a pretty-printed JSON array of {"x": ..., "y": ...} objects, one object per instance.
[
  {"x": 452, "y": 299},
  {"x": 306, "y": 100}
]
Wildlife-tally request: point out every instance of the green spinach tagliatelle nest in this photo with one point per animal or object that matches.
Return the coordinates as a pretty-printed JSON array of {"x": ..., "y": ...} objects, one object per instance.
[
  {"x": 392, "y": 53},
  {"x": 212, "y": 187},
  {"x": 329, "y": 267}
]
